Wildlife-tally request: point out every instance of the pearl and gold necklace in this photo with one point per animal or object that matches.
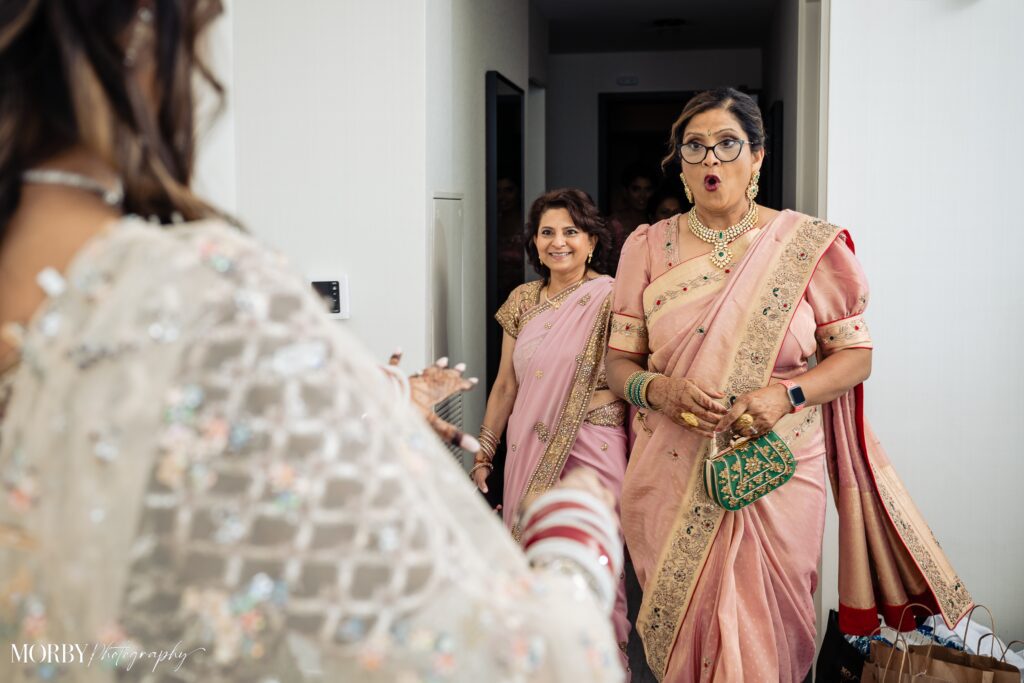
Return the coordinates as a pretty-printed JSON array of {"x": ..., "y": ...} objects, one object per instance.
[{"x": 721, "y": 255}]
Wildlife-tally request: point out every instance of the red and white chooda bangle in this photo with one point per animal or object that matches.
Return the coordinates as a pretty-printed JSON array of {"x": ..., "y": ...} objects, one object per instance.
[{"x": 572, "y": 531}]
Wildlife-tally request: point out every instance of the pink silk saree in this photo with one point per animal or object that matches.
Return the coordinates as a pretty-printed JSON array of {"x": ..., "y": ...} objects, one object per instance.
[
  {"x": 729, "y": 596},
  {"x": 559, "y": 364}
]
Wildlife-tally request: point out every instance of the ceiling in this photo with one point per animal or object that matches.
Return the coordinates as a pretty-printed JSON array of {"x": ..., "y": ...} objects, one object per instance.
[{"x": 640, "y": 25}]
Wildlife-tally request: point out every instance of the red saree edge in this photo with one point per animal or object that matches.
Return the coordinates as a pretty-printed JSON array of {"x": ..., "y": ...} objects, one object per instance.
[
  {"x": 857, "y": 622},
  {"x": 633, "y": 353},
  {"x": 864, "y": 622}
]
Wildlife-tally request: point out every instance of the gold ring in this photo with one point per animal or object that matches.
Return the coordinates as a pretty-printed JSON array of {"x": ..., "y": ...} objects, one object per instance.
[
  {"x": 690, "y": 419},
  {"x": 744, "y": 421}
]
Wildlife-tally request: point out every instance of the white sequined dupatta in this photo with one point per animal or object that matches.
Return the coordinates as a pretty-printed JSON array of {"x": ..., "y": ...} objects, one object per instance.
[{"x": 198, "y": 463}]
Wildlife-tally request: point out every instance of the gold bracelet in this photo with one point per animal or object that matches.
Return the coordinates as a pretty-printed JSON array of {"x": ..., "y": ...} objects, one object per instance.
[
  {"x": 487, "y": 432},
  {"x": 488, "y": 451},
  {"x": 480, "y": 465}
]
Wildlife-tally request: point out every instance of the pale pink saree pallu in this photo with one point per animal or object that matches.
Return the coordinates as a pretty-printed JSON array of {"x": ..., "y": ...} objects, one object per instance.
[
  {"x": 559, "y": 364},
  {"x": 728, "y": 595}
]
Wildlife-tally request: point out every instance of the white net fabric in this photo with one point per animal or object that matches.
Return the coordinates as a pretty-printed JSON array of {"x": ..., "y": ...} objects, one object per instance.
[{"x": 244, "y": 480}]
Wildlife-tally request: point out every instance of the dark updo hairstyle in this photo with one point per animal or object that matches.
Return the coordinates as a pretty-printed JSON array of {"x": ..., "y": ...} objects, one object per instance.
[
  {"x": 585, "y": 216},
  {"x": 65, "y": 81},
  {"x": 740, "y": 105}
]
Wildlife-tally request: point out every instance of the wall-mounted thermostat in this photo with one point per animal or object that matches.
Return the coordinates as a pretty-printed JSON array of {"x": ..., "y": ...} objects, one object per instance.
[{"x": 334, "y": 292}]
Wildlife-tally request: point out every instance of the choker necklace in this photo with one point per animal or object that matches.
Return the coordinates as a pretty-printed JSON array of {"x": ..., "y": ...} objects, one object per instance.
[
  {"x": 556, "y": 304},
  {"x": 721, "y": 255},
  {"x": 46, "y": 176}
]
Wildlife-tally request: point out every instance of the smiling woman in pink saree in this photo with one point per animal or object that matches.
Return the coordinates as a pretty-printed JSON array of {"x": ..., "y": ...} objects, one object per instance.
[
  {"x": 716, "y": 344},
  {"x": 551, "y": 389}
]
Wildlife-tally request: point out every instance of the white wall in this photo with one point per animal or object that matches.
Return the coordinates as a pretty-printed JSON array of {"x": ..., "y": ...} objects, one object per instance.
[
  {"x": 328, "y": 101},
  {"x": 466, "y": 39},
  {"x": 575, "y": 80},
  {"x": 216, "y": 166},
  {"x": 924, "y": 166}
]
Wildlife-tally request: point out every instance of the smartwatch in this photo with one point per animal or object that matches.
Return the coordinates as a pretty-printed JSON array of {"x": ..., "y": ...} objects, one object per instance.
[{"x": 795, "y": 393}]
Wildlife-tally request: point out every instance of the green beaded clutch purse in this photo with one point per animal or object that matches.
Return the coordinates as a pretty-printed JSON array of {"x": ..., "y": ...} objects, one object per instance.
[{"x": 748, "y": 470}]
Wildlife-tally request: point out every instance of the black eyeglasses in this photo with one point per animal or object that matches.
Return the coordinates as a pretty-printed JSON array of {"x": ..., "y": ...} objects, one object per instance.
[{"x": 725, "y": 151}]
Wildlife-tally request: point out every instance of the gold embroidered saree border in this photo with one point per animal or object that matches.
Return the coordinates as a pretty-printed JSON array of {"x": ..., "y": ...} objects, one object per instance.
[
  {"x": 693, "y": 278},
  {"x": 670, "y": 589},
  {"x": 843, "y": 334},
  {"x": 571, "y": 415},
  {"x": 628, "y": 334},
  {"x": 950, "y": 593}
]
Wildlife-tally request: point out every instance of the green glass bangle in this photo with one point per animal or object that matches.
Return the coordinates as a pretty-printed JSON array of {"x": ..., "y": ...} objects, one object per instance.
[{"x": 636, "y": 388}]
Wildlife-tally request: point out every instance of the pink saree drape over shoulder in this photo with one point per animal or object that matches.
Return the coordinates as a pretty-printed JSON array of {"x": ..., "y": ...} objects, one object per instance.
[
  {"x": 728, "y": 596},
  {"x": 559, "y": 364}
]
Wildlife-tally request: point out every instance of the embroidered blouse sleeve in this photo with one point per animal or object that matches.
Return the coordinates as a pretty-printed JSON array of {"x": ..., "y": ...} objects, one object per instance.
[
  {"x": 300, "y": 519},
  {"x": 628, "y": 326},
  {"x": 838, "y": 294},
  {"x": 509, "y": 312}
]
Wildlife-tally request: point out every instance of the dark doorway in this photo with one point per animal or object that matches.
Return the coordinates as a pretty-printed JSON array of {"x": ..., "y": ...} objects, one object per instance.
[
  {"x": 505, "y": 255},
  {"x": 633, "y": 129}
]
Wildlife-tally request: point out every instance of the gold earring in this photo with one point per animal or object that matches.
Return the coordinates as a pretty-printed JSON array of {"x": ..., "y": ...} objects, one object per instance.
[
  {"x": 686, "y": 189},
  {"x": 752, "y": 187},
  {"x": 590, "y": 257}
]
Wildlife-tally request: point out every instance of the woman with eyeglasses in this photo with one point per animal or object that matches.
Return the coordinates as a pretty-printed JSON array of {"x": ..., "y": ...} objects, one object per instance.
[
  {"x": 204, "y": 478},
  {"x": 717, "y": 314}
]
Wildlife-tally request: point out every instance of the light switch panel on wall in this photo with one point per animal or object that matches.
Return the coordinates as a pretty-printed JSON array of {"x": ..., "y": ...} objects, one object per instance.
[{"x": 334, "y": 292}]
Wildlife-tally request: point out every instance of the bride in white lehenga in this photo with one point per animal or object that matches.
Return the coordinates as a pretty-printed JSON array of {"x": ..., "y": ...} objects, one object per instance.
[{"x": 196, "y": 461}]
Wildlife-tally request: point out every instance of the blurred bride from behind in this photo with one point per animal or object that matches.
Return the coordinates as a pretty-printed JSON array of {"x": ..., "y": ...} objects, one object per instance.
[{"x": 200, "y": 469}]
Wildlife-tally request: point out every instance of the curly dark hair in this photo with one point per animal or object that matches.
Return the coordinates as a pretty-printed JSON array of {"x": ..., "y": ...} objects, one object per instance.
[
  {"x": 585, "y": 216},
  {"x": 739, "y": 104}
]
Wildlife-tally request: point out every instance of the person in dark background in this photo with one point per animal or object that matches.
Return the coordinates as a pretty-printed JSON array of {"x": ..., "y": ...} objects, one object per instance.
[
  {"x": 511, "y": 258},
  {"x": 638, "y": 184},
  {"x": 665, "y": 203}
]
